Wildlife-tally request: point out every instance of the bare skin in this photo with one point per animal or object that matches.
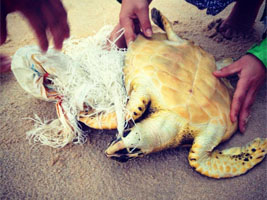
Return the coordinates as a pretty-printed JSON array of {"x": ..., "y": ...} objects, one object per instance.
[
  {"x": 43, "y": 16},
  {"x": 5, "y": 63},
  {"x": 252, "y": 75},
  {"x": 134, "y": 18},
  {"x": 241, "y": 18}
]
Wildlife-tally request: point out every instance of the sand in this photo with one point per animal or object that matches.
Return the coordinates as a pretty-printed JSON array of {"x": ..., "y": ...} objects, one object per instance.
[{"x": 83, "y": 171}]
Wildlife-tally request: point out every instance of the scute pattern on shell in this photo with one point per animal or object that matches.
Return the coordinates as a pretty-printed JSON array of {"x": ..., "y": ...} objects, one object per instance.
[{"x": 181, "y": 78}]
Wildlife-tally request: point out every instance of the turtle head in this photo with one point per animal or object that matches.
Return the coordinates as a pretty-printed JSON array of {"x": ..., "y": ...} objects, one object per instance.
[
  {"x": 126, "y": 147},
  {"x": 155, "y": 133}
]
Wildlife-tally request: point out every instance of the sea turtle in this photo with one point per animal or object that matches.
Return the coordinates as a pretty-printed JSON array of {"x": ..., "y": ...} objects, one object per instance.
[{"x": 174, "y": 99}]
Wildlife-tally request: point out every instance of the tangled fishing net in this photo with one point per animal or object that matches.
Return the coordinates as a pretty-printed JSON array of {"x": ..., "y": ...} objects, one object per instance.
[{"x": 84, "y": 76}]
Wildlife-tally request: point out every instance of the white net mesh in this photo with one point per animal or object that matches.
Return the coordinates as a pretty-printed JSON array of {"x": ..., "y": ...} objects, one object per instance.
[{"x": 87, "y": 74}]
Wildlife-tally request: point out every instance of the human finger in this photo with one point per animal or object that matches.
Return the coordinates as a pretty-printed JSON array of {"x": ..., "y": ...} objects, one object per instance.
[
  {"x": 128, "y": 25},
  {"x": 56, "y": 22},
  {"x": 245, "y": 109},
  {"x": 5, "y": 63},
  {"x": 114, "y": 37},
  {"x": 63, "y": 17},
  {"x": 39, "y": 26},
  {"x": 229, "y": 70},
  {"x": 238, "y": 98},
  {"x": 145, "y": 24}
]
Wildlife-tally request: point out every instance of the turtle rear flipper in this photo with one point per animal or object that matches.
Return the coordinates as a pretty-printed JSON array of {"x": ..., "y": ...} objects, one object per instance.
[
  {"x": 161, "y": 21},
  {"x": 227, "y": 163}
]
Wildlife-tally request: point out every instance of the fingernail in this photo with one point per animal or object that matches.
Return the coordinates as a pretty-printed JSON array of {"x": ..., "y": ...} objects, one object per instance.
[
  {"x": 129, "y": 43},
  {"x": 148, "y": 32}
]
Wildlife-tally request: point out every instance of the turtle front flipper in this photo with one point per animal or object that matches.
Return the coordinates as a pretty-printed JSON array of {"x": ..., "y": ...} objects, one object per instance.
[
  {"x": 136, "y": 106},
  {"x": 138, "y": 102},
  {"x": 106, "y": 121},
  {"x": 227, "y": 163}
]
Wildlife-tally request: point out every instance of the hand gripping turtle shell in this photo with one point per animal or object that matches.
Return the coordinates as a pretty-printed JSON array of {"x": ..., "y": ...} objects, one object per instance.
[{"x": 175, "y": 98}]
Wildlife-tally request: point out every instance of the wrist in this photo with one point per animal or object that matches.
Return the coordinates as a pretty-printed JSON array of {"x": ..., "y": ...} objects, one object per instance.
[
  {"x": 259, "y": 51},
  {"x": 256, "y": 60}
]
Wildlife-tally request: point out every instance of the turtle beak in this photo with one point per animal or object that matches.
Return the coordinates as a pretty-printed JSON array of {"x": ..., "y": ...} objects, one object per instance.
[
  {"x": 119, "y": 152},
  {"x": 115, "y": 147}
]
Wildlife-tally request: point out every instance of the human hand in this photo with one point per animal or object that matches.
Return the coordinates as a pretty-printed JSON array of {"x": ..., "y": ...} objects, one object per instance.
[
  {"x": 252, "y": 75},
  {"x": 5, "y": 64},
  {"x": 134, "y": 18},
  {"x": 42, "y": 15}
]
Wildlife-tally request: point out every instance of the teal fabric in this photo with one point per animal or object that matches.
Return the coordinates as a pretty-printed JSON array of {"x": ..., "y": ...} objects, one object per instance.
[{"x": 260, "y": 51}]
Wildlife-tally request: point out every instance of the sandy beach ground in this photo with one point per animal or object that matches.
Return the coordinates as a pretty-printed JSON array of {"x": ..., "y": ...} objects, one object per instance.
[{"x": 83, "y": 171}]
